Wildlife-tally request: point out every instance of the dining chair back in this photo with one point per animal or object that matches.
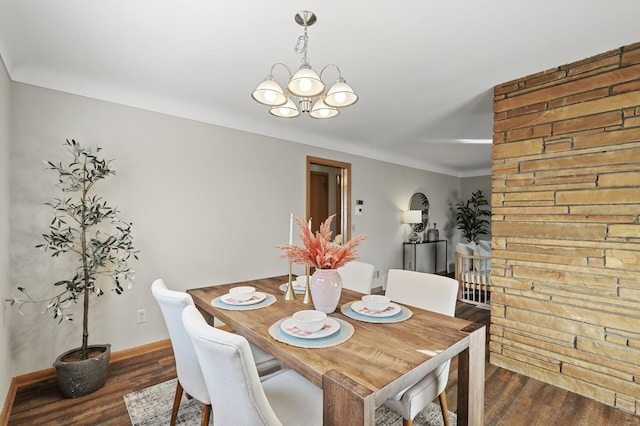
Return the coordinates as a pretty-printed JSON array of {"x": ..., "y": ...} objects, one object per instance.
[
  {"x": 237, "y": 393},
  {"x": 431, "y": 292},
  {"x": 190, "y": 378},
  {"x": 357, "y": 276},
  {"x": 435, "y": 293}
]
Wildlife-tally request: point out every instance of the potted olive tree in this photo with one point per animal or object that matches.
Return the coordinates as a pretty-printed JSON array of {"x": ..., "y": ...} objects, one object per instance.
[
  {"x": 470, "y": 216},
  {"x": 86, "y": 227}
]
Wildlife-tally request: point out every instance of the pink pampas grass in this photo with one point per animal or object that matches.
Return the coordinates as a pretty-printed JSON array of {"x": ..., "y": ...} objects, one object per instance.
[{"x": 319, "y": 251}]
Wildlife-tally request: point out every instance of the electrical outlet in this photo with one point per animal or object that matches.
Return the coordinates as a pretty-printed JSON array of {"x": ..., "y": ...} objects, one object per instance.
[{"x": 141, "y": 316}]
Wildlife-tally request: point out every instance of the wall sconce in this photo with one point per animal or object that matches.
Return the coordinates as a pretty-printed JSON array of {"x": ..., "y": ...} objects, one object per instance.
[{"x": 412, "y": 217}]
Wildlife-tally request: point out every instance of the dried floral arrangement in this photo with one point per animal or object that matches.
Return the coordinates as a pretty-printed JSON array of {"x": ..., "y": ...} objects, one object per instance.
[{"x": 319, "y": 251}]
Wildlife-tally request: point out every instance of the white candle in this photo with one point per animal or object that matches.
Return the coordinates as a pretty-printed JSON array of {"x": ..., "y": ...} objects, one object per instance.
[{"x": 291, "y": 229}]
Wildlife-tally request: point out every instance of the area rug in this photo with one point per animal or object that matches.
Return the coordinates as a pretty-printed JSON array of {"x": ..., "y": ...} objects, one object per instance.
[{"x": 152, "y": 407}]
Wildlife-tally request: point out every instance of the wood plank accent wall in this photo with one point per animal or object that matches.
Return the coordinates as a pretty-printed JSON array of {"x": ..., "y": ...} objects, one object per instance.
[{"x": 565, "y": 306}]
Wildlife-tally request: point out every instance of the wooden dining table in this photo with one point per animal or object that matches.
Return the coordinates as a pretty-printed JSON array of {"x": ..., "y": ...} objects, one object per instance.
[{"x": 374, "y": 364}]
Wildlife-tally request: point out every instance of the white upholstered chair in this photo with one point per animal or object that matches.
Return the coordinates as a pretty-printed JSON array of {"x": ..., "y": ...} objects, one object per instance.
[
  {"x": 188, "y": 370},
  {"x": 434, "y": 293},
  {"x": 357, "y": 276},
  {"x": 190, "y": 377},
  {"x": 238, "y": 396}
]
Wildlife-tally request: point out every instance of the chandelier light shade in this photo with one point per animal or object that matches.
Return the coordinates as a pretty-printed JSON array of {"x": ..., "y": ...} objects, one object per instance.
[
  {"x": 322, "y": 110},
  {"x": 288, "y": 110},
  {"x": 269, "y": 93},
  {"x": 305, "y": 90},
  {"x": 340, "y": 95},
  {"x": 305, "y": 83}
]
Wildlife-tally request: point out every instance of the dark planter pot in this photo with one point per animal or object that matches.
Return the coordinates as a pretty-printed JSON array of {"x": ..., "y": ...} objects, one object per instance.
[{"x": 79, "y": 378}]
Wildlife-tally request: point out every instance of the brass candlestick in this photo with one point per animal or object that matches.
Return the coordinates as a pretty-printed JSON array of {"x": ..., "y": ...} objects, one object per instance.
[
  {"x": 307, "y": 293},
  {"x": 290, "y": 295}
]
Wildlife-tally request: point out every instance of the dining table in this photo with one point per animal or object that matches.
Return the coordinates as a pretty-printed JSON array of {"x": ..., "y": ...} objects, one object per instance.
[{"x": 374, "y": 361}]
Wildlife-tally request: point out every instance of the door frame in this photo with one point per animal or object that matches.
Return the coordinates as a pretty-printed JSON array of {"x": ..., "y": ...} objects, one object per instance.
[{"x": 345, "y": 189}]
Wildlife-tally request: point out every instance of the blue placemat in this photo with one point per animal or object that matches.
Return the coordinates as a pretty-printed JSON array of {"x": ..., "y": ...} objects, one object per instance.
[
  {"x": 266, "y": 302},
  {"x": 403, "y": 315},
  {"x": 340, "y": 336},
  {"x": 283, "y": 287}
]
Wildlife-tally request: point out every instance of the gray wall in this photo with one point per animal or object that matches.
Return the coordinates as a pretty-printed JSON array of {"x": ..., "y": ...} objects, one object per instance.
[
  {"x": 208, "y": 205},
  {"x": 5, "y": 359},
  {"x": 470, "y": 184}
]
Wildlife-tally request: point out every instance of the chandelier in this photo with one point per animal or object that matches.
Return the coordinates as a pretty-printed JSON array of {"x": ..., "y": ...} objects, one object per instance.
[{"x": 305, "y": 90}]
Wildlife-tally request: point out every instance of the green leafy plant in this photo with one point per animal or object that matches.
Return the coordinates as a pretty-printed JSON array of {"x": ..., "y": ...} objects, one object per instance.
[
  {"x": 84, "y": 225},
  {"x": 470, "y": 216}
]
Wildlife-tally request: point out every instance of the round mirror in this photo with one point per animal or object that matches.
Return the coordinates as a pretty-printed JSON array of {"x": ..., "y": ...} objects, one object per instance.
[{"x": 419, "y": 201}]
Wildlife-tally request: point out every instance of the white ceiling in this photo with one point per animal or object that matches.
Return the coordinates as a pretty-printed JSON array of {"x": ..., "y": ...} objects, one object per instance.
[{"x": 424, "y": 70}]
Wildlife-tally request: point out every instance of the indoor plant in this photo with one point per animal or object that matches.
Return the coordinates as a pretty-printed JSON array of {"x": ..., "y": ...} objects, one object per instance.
[
  {"x": 326, "y": 256},
  {"x": 86, "y": 227},
  {"x": 470, "y": 216}
]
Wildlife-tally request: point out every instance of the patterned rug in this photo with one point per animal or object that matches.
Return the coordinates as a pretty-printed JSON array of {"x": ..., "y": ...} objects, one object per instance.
[{"x": 152, "y": 407}]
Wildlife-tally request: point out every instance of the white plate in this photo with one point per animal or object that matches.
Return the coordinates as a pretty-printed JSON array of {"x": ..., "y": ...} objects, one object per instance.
[
  {"x": 257, "y": 298},
  {"x": 289, "y": 327},
  {"x": 296, "y": 290},
  {"x": 391, "y": 310},
  {"x": 295, "y": 286}
]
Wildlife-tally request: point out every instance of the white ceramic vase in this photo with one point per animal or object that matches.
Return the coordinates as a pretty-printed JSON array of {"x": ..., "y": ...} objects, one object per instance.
[{"x": 326, "y": 286}]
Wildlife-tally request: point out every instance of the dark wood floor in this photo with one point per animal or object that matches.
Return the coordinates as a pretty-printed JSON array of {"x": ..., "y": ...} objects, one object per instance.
[{"x": 510, "y": 398}]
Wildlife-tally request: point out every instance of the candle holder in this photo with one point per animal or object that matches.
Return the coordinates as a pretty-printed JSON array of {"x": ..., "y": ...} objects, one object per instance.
[
  {"x": 290, "y": 295},
  {"x": 307, "y": 293}
]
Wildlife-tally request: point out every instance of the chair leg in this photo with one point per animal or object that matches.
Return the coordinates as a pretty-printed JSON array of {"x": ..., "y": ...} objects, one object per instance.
[
  {"x": 176, "y": 403},
  {"x": 444, "y": 407},
  {"x": 206, "y": 414},
  {"x": 407, "y": 422}
]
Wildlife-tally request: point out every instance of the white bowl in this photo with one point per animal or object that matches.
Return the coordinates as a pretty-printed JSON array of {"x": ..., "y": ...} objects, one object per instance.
[
  {"x": 376, "y": 302},
  {"x": 309, "y": 320},
  {"x": 301, "y": 280},
  {"x": 242, "y": 293}
]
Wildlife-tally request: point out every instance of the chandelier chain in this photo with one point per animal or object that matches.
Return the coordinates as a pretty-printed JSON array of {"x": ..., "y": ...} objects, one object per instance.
[{"x": 302, "y": 46}]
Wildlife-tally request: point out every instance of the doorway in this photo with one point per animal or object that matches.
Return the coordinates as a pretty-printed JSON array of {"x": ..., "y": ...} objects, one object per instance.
[
  {"x": 328, "y": 193},
  {"x": 319, "y": 207}
]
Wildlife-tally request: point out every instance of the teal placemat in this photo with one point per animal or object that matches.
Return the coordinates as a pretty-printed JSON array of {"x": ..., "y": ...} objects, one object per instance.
[
  {"x": 403, "y": 315},
  {"x": 340, "y": 336},
  {"x": 266, "y": 302}
]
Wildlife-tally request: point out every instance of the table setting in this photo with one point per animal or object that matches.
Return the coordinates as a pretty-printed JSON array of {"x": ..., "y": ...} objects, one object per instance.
[
  {"x": 299, "y": 284},
  {"x": 376, "y": 309},
  {"x": 311, "y": 329},
  {"x": 243, "y": 298}
]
